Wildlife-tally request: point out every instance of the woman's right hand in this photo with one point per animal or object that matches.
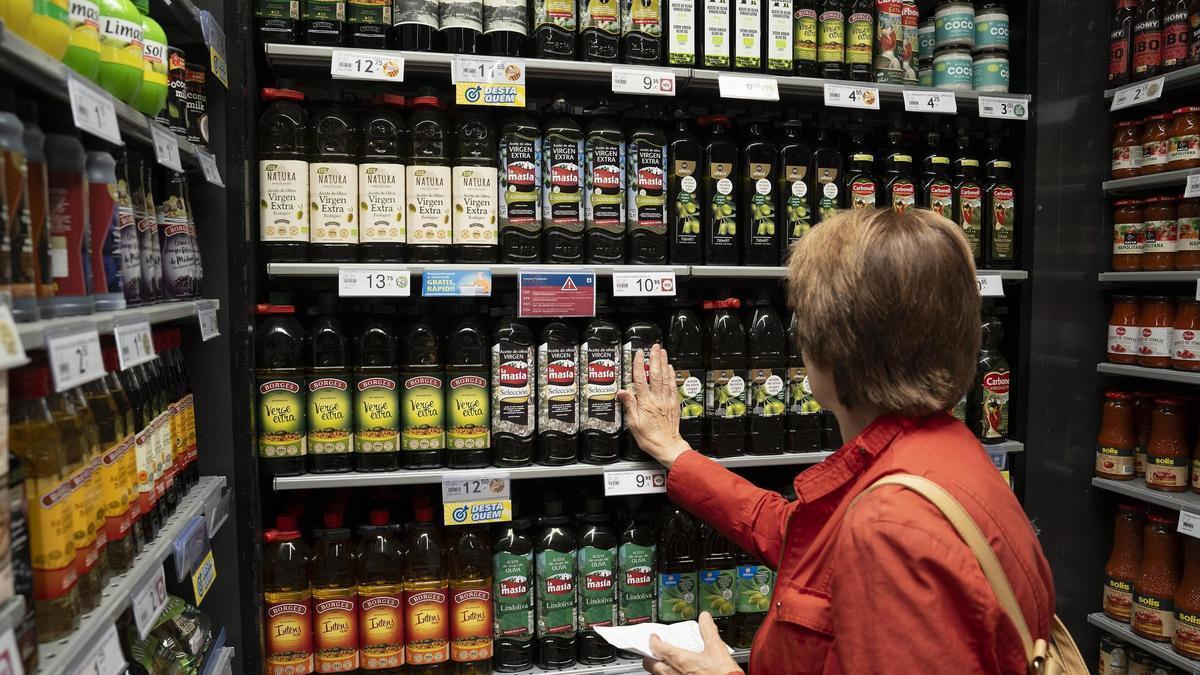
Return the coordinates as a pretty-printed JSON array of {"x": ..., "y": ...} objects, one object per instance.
[{"x": 652, "y": 407}]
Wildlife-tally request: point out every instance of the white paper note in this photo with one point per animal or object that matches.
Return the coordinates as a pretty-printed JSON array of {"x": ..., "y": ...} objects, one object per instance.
[{"x": 636, "y": 638}]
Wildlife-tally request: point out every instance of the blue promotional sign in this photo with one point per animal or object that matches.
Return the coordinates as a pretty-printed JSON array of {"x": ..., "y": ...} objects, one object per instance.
[
  {"x": 556, "y": 294},
  {"x": 456, "y": 283}
]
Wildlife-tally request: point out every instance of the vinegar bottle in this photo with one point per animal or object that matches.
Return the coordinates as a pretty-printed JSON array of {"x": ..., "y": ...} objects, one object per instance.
[
  {"x": 335, "y": 598},
  {"x": 469, "y": 563}
]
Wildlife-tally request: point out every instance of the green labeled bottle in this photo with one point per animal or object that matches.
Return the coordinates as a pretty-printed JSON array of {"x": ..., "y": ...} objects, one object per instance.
[
  {"x": 376, "y": 398},
  {"x": 555, "y": 556},
  {"x": 597, "y": 556},
  {"x": 718, "y": 577},
  {"x": 83, "y": 46},
  {"x": 153, "y": 94},
  {"x": 636, "y": 548},
  {"x": 121, "y": 61},
  {"x": 279, "y": 371},
  {"x": 937, "y": 190},
  {"x": 804, "y": 38},
  {"x": 468, "y": 401},
  {"x": 422, "y": 400},
  {"x": 512, "y": 592},
  {"x": 678, "y": 583},
  {"x": 760, "y": 171},
  {"x": 756, "y": 583},
  {"x": 748, "y": 36},
  {"x": 968, "y": 194},
  {"x": 330, "y": 402}
]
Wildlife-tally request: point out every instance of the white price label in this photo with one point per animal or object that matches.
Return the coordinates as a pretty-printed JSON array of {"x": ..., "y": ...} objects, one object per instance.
[
  {"x": 488, "y": 70},
  {"x": 106, "y": 658},
  {"x": 1192, "y": 189},
  {"x": 208, "y": 165},
  {"x": 372, "y": 64},
  {"x": 206, "y": 316},
  {"x": 367, "y": 283},
  {"x": 10, "y": 654},
  {"x": 135, "y": 341},
  {"x": 753, "y": 88},
  {"x": 1189, "y": 524},
  {"x": 75, "y": 356},
  {"x": 93, "y": 110},
  {"x": 166, "y": 147},
  {"x": 12, "y": 352},
  {"x": 467, "y": 486},
  {"x": 1002, "y": 108},
  {"x": 643, "y": 81},
  {"x": 990, "y": 285},
  {"x": 650, "y": 283},
  {"x": 925, "y": 101},
  {"x": 1137, "y": 94},
  {"x": 634, "y": 482},
  {"x": 851, "y": 96},
  {"x": 149, "y": 601}
]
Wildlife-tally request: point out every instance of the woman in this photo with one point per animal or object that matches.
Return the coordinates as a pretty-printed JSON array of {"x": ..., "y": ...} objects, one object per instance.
[{"x": 889, "y": 326}]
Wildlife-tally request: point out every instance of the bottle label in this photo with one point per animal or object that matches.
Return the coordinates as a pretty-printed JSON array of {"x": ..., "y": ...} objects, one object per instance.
[
  {"x": 779, "y": 35},
  {"x": 1126, "y": 157},
  {"x": 681, "y": 48},
  {"x": 725, "y": 393},
  {"x": 1186, "y": 639},
  {"x": 597, "y": 592},
  {"x": 1189, "y": 234},
  {"x": 993, "y": 418},
  {"x": 940, "y": 197},
  {"x": 419, "y": 12},
  {"x": 690, "y": 384},
  {"x": 755, "y": 585},
  {"x": 178, "y": 257},
  {"x": 155, "y": 56},
  {"x": 335, "y": 628},
  {"x": 381, "y": 625},
  {"x": 600, "y": 408},
  {"x": 428, "y": 194},
  {"x": 862, "y": 193},
  {"x": 84, "y": 16},
  {"x": 804, "y": 43},
  {"x": 520, "y": 181},
  {"x": 330, "y": 416},
  {"x": 471, "y": 629},
  {"x": 556, "y": 593},
  {"x": 635, "y": 584},
  {"x": 1185, "y": 345},
  {"x": 970, "y": 215},
  {"x": 646, "y": 187},
  {"x": 427, "y": 625},
  {"x": 718, "y": 589},
  {"x": 677, "y": 596},
  {"x": 762, "y": 206},
  {"x": 558, "y": 387},
  {"x": 333, "y": 194},
  {"x": 1153, "y": 615},
  {"x": 1156, "y": 153},
  {"x": 119, "y": 473},
  {"x": 281, "y": 423},
  {"x": 467, "y": 405},
  {"x": 1167, "y": 471},
  {"x": 1174, "y": 38},
  {"x": 1118, "y": 597},
  {"x": 795, "y": 193},
  {"x": 51, "y": 536},
  {"x": 475, "y": 205},
  {"x": 1004, "y": 220},
  {"x": 381, "y": 204},
  {"x": 687, "y": 202},
  {"x": 643, "y": 16},
  {"x": 723, "y": 231},
  {"x": 512, "y": 391},
  {"x": 829, "y": 199},
  {"x": 1156, "y": 341},
  {"x": 562, "y": 189},
  {"x": 369, "y": 12},
  {"x": 127, "y": 238},
  {"x": 800, "y": 399},
  {"x": 600, "y": 15},
  {"x": 323, "y": 10},
  {"x": 376, "y": 419},
  {"x": 716, "y": 33},
  {"x": 1114, "y": 461},
  {"x": 505, "y": 16},
  {"x": 860, "y": 38},
  {"x": 747, "y": 49},
  {"x": 513, "y": 590},
  {"x": 124, "y": 34},
  {"x": 904, "y": 196},
  {"x": 289, "y": 633},
  {"x": 766, "y": 392},
  {"x": 604, "y": 205},
  {"x": 466, "y": 14},
  {"x": 283, "y": 198},
  {"x": 1184, "y": 148},
  {"x": 423, "y": 403},
  {"x": 831, "y": 40}
]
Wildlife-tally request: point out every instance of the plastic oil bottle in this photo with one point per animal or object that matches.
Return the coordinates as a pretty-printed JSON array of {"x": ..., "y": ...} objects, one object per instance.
[
  {"x": 768, "y": 368},
  {"x": 118, "y": 470},
  {"x": 562, "y": 187},
  {"x": 282, "y": 176},
  {"x": 636, "y": 560},
  {"x": 287, "y": 598},
  {"x": 469, "y": 562},
  {"x": 646, "y": 190},
  {"x": 279, "y": 371},
  {"x": 332, "y": 185},
  {"x": 597, "y": 564},
  {"x": 422, "y": 399},
  {"x": 718, "y": 576},
  {"x": 335, "y": 597},
  {"x": 720, "y": 193},
  {"x": 725, "y": 392},
  {"x": 382, "y": 230},
  {"x": 803, "y": 419},
  {"x": 428, "y": 183},
  {"x": 600, "y": 377},
  {"x": 756, "y": 583},
  {"x": 685, "y": 340},
  {"x": 760, "y": 171},
  {"x": 83, "y": 46},
  {"x": 558, "y": 391},
  {"x": 512, "y": 591},
  {"x": 474, "y": 179},
  {"x": 330, "y": 398},
  {"x": 555, "y": 558},
  {"x": 520, "y": 186},
  {"x": 678, "y": 583},
  {"x": 78, "y": 449},
  {"x": 380, "y": 596},
  {"x": 468, "y": 410},
  {"x": 641, "y": 335},
  {"x": 795, "y": 186},
  {"x": 514, "y": 400},
  {"x": 604, "y": 181},
  {"x": 686, "y": 157},
  {"x": 426, "y": 593},
  {"x": 376, "y": 397}
]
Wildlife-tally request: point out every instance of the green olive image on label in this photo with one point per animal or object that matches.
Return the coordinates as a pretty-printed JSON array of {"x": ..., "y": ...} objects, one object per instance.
[
  {"x": 690, "y": 404},
  {"x": 377, "y": 418},
  {"x": 468, "y": 413},
  {"x": 281, "y": 424},
  {"x": 423, "y": 408},
  {"x": 755, "y": 585}
]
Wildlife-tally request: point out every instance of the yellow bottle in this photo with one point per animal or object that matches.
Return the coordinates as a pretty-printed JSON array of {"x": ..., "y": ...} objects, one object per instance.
[
  {"x": 16, "y": 15},
  {"x": 78, "y": 449},
  {"x": 49, "y": 29},
  {"x": 94, "y": 487}
]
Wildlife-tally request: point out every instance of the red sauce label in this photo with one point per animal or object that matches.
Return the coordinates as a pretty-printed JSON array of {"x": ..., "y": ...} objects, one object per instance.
[
  {"x": 1167, "y": 471},
  {"x": 1147, "y": 46},
  {"x": 1187, "y": 633},
  {"x": 1153, "y": 616}
]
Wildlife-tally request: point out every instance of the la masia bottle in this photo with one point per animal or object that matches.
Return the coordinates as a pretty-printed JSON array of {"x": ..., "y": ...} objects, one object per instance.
[
  {"x": 513, "y": 571},
  {"x": 604, "y": 182},
  {"x": 514, "y": 403},
  {"x": 282, "y": 176},
  {"x": 558, "y": 389},
  {"x": 767, "y": 370},
  {"x": 641, "y": 31},
  {"x": 599, "y": 410},
  {"x": 686, "y": 157},
  {"x": 555, "y": 559},
  {"x": 720, "y": 192},
  {"x": 597, "y": 564},
  {"x": 795, "y": 186},
  {"x": 380, "y": 596},
  {"x": 685, "y": 338},
  {"x": 520, "y": 185},
  {"x": 376, "y": 398},
  {"x": 426, "y": 593},
  {"x": 725, "y": 387},
  {"x": 646, "y": 191},
  {"x": 636, "y": 560},
  {"x": 718, "y": 586},
  {"x": 600, "y": 29},
  {"x": 640, "y": 336},
  {"x": 330, "y": 402},
  {"x": 760, "y": 241},
  {"x": 332, "y": 185},
  {"x": 382, "y": 230},
  {"x": 678, "y": 581},
  {"x": 427, "y": 188},
  {"x": 469, "y": 562},
  {"x": 474, "y": 180},
  {"x": 422, "y": 399},
  {"x": 335, "y": 597},
  {"x": 279, "y": 371},
  {"x": 562, "y": 187}
]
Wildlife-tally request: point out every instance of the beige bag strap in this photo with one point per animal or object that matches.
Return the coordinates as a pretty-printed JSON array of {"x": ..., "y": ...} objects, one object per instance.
[{"x": 970, "y": 533}]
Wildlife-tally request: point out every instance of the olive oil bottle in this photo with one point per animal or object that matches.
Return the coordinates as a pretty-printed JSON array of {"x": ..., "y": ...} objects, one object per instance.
[
  {"x": 718, "y": 585},
  {"x": 768, "y": 354},
  {"x": 380, "y": 596},
  {"x": 721, "y": 181},
  {"x": 829, "y": 174},
  {"x": 1000, "y": 213},
  {"x": 646, "y": 191},
  {"x": 469, "y": 565},
  {"x": 604, "y": 183},
  {"x": 335, "y": 598},
  {"x": 597, "y": 563},
  {"x": 426, "y": 592},
  {"x": 330, "y": 399},
  {"x": 642, "y": 31},
  {"x": 422, "y": 399},
  {"x": 760, "y": 172},
  {"x": 287, "y": 598},
  {"x": 376, "y": 396},
  {"x": 513, "y": 573},
  {"x": 557, "y": 571},
  {"x": 678, "y": 587},
  {"x": 795, "y": 186},
  {"x": 279, "y": 372},
  {"x": 684, "y": 217},
  {"x": 468, "y": 410}
]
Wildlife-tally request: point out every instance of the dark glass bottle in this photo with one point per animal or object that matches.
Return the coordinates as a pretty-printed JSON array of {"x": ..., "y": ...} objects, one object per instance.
[
  {"x": 414, "y": 23},
  {"x": 604, "y": 183},
  {"x": 596, "y": 543},
  {"x": 562, "y": 186},
  {"x": 324, "y": 22},
  {"x": 860, "y": 40},
  {"x": 685, "y": 158},
  {"x": 795, "y": 186},
  {"x": 520, "y": 184},
  {"x": 282, "y": 179},
  {"x": 760, "y": 171},
  {"x": 805, "y": 29},
  {"x": 554, "y": 30},
  {"x": 831, "y": 40},
  {"x": 721, "y": 182},
  {"x": 1147, "y": 40},
  {"x": 555, "y": 559},
  {"x": 505, "y": 27},
  {"x": 862, "y": 188},
  {"x": 989, "y": 402},
  {"x": 828, "y": 174},
  {"x": 1121, "y": 43},
  {"x": 513, "y": 574},
  {"x": 968, "y": 196},
  {"x": 1000, "y": 213},
  {"x": 381, "y": 231},
  {"x": 461, "y": 23},
  {"x": 1175, "y": 34}
]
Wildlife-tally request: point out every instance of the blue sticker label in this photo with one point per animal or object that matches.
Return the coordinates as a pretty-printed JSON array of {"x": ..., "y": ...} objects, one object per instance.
[{"x": 456, "y": 283}]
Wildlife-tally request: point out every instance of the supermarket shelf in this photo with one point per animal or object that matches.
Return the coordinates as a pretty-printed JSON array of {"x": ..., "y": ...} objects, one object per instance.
[
  {"x": 62, "y": 656},
  {"x": 1148, "y": 277},
  {"x": 1005, "y": 447},
  {"x": 432, "y": 476},
  {"x": 33, "y": 67},
  {"x": 224, "y": 663},
  {"x": 12, "y": 612},
  {"x": 1160, "y": 650},
  {"x": 1184, "y": 77},
  {"x": 1136, "y": 488},
  {"x": 1122, "y": 186},
  {"x": 33, "y": 334},
  {"x": 180, "y": 19},
  {"x": 620, "y": 666},
  {"x": 1162, "y": 374}
]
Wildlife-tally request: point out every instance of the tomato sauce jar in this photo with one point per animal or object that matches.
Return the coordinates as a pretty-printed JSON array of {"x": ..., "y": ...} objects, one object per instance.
[
  {"x": 1127, "y": 149},
  {"x": 1168, "y": 457},
  {"x": 1187, "y": 218},
  {"x": 1121, "y": 570},
  {"x": 1117, "y": 440},
  {"x": 1186, "y": 639},
  {"x": 1162, "y": 234},
  {"x": 1185, "y": 341},
  {"x": 1156, "y": 328},
  {"x": 1185, "y": 139},
  {"x": 1158, "y": 578},
  {"x": 1156, "y": 144},
  {"x": 1129, "y": 235},
  {"x": 1143, "y": 409},
  {"x": 1123, "y": 330}
]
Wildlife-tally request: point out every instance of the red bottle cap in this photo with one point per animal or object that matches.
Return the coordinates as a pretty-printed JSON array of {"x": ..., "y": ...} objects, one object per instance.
[
  {"x": 270, "y": 94},
  {"x": 274, "y": 309},
  {"x": 378, "y": 517},
  {"x": 727, "y": 303},
  {"x": 285, "y": 522},
  {"x": 333, "y": 519},
  {"x": 389, "y": 99}
]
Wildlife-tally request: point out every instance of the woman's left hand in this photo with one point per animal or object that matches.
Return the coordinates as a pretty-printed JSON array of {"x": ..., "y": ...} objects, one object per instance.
[{"x": 714, "y": 660}]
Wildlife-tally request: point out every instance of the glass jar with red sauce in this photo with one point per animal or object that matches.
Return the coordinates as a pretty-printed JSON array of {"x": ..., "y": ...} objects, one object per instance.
[
  {"x": 1127, "y": 149},
  {"x": 1186, "y": 639},
  {"x": 1156, "y": 329},
  {"x": 1129, "y": 235},
  {"x": 1143, "y": 414},
  {"x": 1187, "y": 217},
  {"x": 1162, "y": 233},
  {"x": 1168, "y": 455},
  {"x": 1122, "y": 567},
  {"x": 1117, "y": 440},
  {"x": 1157, "y": 578},
  {"x": 1123, "y": 330},
  {"x": 1156, "y": 144},
  {"x": 1185, "y": 341},
  {"x": 1185, "y": 139}
]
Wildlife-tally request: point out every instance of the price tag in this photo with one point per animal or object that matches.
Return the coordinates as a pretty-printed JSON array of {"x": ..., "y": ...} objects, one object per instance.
[
  {"x": 643, "y": 81},
  {"x": 368, "y": 283},
  {"x": 556, "y": 294},
  {"x": 93, "y": 110},
  {"x": 634, "y": 482},
  {"x": 12, "y": 352},
  {"x": 149, "y": 601},
  {"x": 925, "y": 101},
  {"x": 166, "y": 147},
  {"x": 208, "y": 164},
  {"x": 990, "y": 285},
  {"x": 476, "y": 498},
  {"x": 649, "y": 283},
  {"x": 135, "y": 341},
  {"x": 753, "y": 88},
  {"x": 485, "y": 80},
  {"x": 106, "y": 658},
  {"x": 1003, "y": 108},
  {"x": 363, "y": 64},
  {"x": 215, "y": 37},
  {"x": 10, "y": 654},
  {"x": 851, "y": 96},
  {"x": 206, "y": 315},
  {"x": 1193, "y": 186},
  {"x": 75, "y": 356},
  {"x": 1189, "y": 524},
  {"x": 1137, "y": 94},
  {"x": 204, "y": 577}
]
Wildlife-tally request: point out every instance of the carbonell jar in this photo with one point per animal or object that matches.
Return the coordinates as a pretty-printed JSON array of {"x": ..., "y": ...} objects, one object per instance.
[
  {"x": 990, "y": 72},
  {"x": 953, "y": 69}
]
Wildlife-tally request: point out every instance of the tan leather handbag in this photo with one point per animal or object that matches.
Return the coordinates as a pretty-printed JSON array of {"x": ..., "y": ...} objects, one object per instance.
[{"x": 1056, "y": 656}]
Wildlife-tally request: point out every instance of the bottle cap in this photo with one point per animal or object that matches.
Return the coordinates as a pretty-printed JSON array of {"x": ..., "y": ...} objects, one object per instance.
[
  {"x": 270, "y": 94},
  {"x": 332, "y": 519},
  {"x": 1163, "y": 517},
  {"x": 378, "y": 517},
  {"x": 423, "y": 514},
  {"x": 30, "y": 383},
  {"x": 285, "y": 522},
  {"x": 727, "y": 303},
  {"x": 389, "y": 100},
  {"x": 274, "y": 309},
  {"x": 431, "y": 101}
]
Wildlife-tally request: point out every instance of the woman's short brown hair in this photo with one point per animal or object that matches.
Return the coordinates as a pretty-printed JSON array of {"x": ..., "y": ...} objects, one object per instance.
[{"x": 889, "y": 304}]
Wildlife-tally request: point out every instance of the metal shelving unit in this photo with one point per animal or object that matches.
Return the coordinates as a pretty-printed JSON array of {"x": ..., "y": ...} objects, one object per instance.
[
  {"x": 1136, "y": 488},
  {"x": 1122, "y": 186},
  {"x": 33, "y": 334},
  {"x": 1160, "y": 650},
  {"x": 1179, "y": 79},
  {"x": 621, "y": 666},
  {"x": 1161, "y": 374},
  {"x": 1148, "y": 277}
]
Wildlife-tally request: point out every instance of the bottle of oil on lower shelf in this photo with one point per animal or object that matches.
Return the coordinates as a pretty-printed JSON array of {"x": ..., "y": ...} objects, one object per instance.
[
  {"x": 766, "y": 378},
  {"x": 596, "y": 544},
  {"x": 678, "y": 582},
  {"x": 513, "y": 571},
  {"x": 469, "y": 564},
  {"x": 640, "y": 335},
  {"x": 514, "y": 389},
  {"x": 756, "y": 584},
  {"x": 380, "y": 596},
  {"x": 725, "y": 387},
  {"x": 555, "y": 556},
  {"x": 426, "y": 593},
  {"x": 635, "y": 578},
  {"x": 335, "y": 597},
  {"x": 718, "y": 587},
  {"x": 287, "y": 599}
]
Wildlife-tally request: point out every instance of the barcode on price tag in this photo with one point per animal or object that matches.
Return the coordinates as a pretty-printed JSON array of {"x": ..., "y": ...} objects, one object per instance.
[
  {"x": 106, "y": 658},
  {"x": 166, "y": 146},
  {"x": 850, "y": 96},
  {"x": 649, "y": 283},
  {"x": 93, "y": 110},
  {"x": 208, "y": 165},
  {"x": 634, "y": 482},
  {"x": 643, "y": 81},
  {"x": 484, "y": 80},
  {"x": 998, "y": 107},
  {"x": 990, "y": 285},
  {"x": 1137, "y": 94},
  {"x": 149, "y": 600},
  {"x": 1189, "y": 524},
  {"x": 75, "y": 356},
  {"x": 135, "y": 341},
  {"x": 924, "y": 101},
  {"x": 368, "y": 283},
  {"x": 1193, "y": 186},
  {"x": 752, "y": 88},
  {"x": 374, "y": 64},
  {"x": 206, "y": 316}
]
